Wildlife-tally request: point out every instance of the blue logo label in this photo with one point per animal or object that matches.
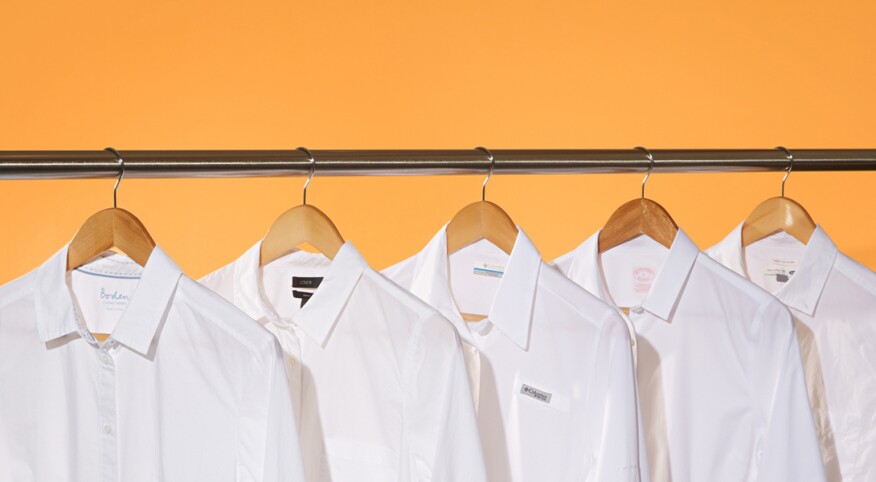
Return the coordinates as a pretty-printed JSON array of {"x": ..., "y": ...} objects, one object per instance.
[{"x": 114, "y": 296}]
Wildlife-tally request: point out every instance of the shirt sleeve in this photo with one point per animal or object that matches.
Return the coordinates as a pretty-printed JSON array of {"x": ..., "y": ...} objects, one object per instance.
[
  {"x": 789, "y": 448},
  {"x": 613, "y": 407},
  {"x": 444, "y": 441},
  {"x": 269, "y": 449}
]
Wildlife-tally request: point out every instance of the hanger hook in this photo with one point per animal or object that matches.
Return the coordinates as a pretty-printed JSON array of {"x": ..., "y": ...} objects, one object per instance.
[
  {"x": 121, "y": 174},
  {"x": 790, "y": 166},
  {"x": 650, "y": 167},
  {"x": 312, "y": 171},
  {"x": 490, "y": 173}
]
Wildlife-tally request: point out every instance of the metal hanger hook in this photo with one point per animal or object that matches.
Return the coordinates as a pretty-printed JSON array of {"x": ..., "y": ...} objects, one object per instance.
[
  {"x": 790, "y": 166},
  {"x": 121, "y": 174},
  {"x": 650, "y": 167},
  {"x": 490, "y": 173},
  {"x": 312, "y": 171}
]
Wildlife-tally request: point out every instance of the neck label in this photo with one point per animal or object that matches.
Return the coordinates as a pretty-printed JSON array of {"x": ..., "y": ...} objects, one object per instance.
[
  {"x": 489, "y": 269},
  {"x": 306, "y": 282},
  {"x": 303, "y": 295}
]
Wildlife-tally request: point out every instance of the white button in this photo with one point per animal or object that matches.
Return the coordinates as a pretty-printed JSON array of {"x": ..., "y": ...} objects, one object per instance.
[
  {"x": 107, "y": 429},
  {"x": 638, "y": 310},
  {"x": 104, "y": 358}
]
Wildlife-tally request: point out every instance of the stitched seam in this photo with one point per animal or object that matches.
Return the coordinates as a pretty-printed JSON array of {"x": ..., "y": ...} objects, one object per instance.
[{"x": 216, "y": 321}]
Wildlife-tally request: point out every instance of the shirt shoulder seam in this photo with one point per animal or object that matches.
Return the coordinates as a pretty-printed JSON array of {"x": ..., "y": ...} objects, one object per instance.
[
  {"x": 407, "y": 299},
  {"x": 851, "y": 269},
  {"x": 742, "y": 285},
  {"x": 18, "y": 289},
  {"x": 218, "y": 321},
  {"x": 588, "y": 315}
]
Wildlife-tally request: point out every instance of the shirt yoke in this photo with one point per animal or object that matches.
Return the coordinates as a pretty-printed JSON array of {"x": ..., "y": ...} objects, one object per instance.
[
  {"x": 401, "y": 273},
  {"x": 221, "y": 281},
  {"x": 856, "y": 273},
  {"x": 734, "y": 281},
  {"x": 17, "y": 289},
  {"x": 432, "y": 322},
  {"x": 564, "y": 290},
  {"x": 219, "y": 312}
]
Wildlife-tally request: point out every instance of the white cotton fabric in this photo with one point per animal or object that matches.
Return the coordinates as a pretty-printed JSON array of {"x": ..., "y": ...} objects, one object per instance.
[
  {"x": 719, "y": 372},
  {"x": 186, "y": 387},
  {"x": 551, "y": 366},
  {"x": 833, "y": 301},
  {"x": 377, "y": 376}
]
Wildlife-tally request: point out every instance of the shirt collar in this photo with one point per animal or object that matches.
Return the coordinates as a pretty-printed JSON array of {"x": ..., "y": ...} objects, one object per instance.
[
  {"x": 511, "y": 308},
  {"x": 318, "y": 317},
  {"x": 667, "y": 286},
  {"x": 136, "y": 328},
  {"x": 804, "y": 289}
]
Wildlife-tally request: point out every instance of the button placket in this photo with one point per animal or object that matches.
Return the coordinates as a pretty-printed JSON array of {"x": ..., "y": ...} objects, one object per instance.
[
  {"x": 287, "y": 332},
  {"x": 294, "y": 358},
  {"x": 630, "y": 319},
  {"x": 107, "y": 412}
]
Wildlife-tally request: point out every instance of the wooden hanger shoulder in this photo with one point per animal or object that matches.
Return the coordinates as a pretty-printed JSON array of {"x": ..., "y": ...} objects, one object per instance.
[
  {"x": 635, "y": 218},
  {"x": 778, "y": 214},
  {"x": 301, "y": 224},
  {"x": 481, "y": 220},
  {"x": 108, "y": 228}
]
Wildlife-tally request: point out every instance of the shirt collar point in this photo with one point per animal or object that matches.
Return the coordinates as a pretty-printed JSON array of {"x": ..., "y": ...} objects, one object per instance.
[
  {"x": 673, "y": 276},
  {"x": 511, "y": 310},
  {"x": 138, "y": 344},
  {"x": 318, "y": 317},
  {"x": 516, "y": 326},
  {"x": 660, "y": 310}
]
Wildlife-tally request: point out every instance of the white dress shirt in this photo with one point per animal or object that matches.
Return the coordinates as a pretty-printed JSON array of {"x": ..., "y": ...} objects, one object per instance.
[
  {"x": 720, "y": 377},
  {"x": 377, "y": 376},
  {"x": 551, "y": 366},
  {"x": 833, "y": 300},
  {"x": 185, "y": 388}
]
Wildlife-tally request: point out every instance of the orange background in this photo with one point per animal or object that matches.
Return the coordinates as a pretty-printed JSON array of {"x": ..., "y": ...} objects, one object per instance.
[{"x": 451, "y": 74}]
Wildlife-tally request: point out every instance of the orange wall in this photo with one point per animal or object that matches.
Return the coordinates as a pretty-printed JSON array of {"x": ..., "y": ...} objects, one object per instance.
[{"x": 451, "y": 74}]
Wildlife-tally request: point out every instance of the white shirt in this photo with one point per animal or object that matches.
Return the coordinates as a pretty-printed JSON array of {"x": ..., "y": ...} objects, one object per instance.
[
  {"x": 378, "y": 377},
  {"x": 833, "y": 300},
  {"x": 553, "y": 370},
  {"x": 185, "y": 388},
  {"x": 719, "y": 372}
]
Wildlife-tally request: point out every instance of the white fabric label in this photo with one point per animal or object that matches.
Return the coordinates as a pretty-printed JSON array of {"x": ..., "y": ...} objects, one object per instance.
[
  {"x": 489, "y": 269},
  {"x": 780, "y": 270}
]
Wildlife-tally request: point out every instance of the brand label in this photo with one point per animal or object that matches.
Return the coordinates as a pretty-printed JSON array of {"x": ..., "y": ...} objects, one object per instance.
[
  {"x": 303, "y": 295},
  {"x": 306, "y": 282},
  {"x": 781, "y": 269},
  {"x": 535, "y": 393},
  {"x": 489, "y": 269},
  {"x": 113, "y": 300},
  {"x": 643, "y": 278}
]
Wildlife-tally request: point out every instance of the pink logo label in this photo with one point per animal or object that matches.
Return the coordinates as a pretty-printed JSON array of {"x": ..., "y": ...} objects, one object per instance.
[{"x": 643, "y": 277}]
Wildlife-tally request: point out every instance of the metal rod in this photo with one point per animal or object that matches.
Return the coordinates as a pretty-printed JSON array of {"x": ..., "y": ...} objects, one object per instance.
[{"x": 263, "y": 163}]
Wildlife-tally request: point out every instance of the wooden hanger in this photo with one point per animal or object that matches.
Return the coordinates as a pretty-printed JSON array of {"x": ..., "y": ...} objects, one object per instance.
[
  {"x": 638, "y": 217},
  {"x": 299, "y": 225},
  {"x": 778, "y": 214},
  {"x": 110, "y": 228},
  {"x": 481, "y": 220},
  {"x": 106, "y": 229}
]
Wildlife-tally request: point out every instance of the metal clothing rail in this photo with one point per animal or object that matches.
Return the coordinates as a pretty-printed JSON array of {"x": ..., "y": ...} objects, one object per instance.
[{"x": 263, "y": 163}]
